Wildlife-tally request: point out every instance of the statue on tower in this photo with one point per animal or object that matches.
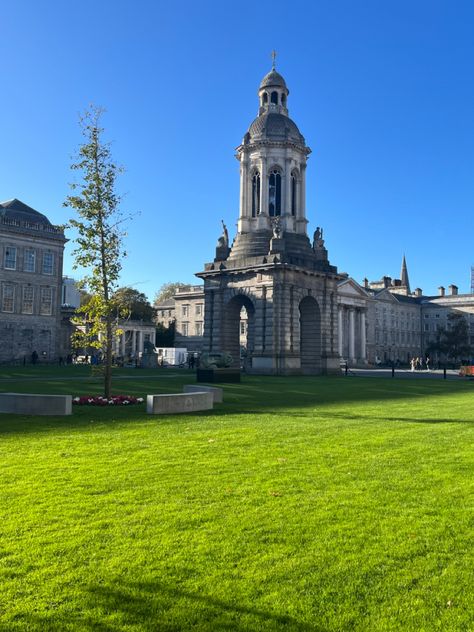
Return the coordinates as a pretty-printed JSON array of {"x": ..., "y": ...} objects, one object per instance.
[
  {"x": 222, "y": 248},
  {"x": 318, "y": 241}
]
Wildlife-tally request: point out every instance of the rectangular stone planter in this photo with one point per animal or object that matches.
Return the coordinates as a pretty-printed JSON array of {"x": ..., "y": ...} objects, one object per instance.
[
  {"x": 218, "y": 375},
  {"x": 35, "y": 404},
  {"x": 178, "y": 403}
]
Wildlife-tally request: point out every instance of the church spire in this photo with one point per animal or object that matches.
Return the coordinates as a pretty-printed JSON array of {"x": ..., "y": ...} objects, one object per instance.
[{"x": 404, "y": 275}]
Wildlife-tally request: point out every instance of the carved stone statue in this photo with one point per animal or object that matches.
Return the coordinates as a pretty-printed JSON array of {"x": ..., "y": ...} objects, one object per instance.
[
  {"x": 223, "y": 241},
  {"x": 318, "y": 241},
  {"x": 276, "y": 225}
]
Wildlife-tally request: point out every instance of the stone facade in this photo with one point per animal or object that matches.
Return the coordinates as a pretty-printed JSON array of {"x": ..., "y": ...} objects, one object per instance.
[
  {"x": 31, "y": 262},
  {"x": 283, "y": 282}
]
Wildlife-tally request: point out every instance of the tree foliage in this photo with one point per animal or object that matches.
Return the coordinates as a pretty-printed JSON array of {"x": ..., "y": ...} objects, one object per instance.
[
  {"x": 453, "y": 341},
  {"x": 99, "y": 238},
  {"x": 165, "y": 335},
  {"x": 168, "y": 290},
  {"x": 132, "y": 304}
]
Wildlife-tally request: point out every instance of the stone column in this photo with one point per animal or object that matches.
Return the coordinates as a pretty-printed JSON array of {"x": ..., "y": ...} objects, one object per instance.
[
  {"x": 301, "y": 210},
  {"x": 363, "y": 341},
  {"x": 339, "y": 329},
  {"x": 140, "y": 342},
  {"x": 352, "y": 334},
  {"x": 134, "y": 342}
]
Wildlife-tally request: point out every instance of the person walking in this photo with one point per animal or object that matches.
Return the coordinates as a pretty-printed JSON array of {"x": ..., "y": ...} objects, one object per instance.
[
  {"x": 412, "y": 364},
  {"x": 427, "y": 362}
]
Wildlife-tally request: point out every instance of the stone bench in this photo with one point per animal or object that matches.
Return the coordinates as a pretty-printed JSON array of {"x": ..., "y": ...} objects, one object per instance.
[
  {"x": 35, "y": 404},
  {"x": 217, "y": 393},
  {"x": 178, "y": 403}
]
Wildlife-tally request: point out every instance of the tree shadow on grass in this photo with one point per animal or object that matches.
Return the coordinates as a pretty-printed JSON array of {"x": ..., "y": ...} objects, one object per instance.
[{"x": 155, "y": 606}]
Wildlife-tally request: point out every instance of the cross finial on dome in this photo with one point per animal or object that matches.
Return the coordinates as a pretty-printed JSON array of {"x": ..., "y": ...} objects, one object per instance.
[{"x": 274, "y": 54}]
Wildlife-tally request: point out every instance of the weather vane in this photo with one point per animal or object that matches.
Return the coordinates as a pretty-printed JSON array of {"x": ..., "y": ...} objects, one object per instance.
[{"x": 274, "y": 54}]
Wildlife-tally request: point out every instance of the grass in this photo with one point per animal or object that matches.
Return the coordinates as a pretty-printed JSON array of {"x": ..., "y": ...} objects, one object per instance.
[{"x": 299, "y": 504}]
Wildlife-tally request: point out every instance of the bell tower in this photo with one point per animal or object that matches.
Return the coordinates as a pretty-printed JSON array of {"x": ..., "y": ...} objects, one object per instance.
[{"x": 273, "y": 284}]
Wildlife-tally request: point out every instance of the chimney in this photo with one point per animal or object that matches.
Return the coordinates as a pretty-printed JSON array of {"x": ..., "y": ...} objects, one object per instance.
[
  {"x": 418, "y": 291},
  {"x": 453, "y": 290},
  {"x": 387, "y": 281},
  {"x": 441, "y": 290},
  {"x": 366, "y": 283}
]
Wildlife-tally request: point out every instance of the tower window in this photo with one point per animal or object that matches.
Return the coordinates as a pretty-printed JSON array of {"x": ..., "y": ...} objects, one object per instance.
[
  {"x": 274, "y": 193},
  {"x": 265, "y": 97},
  {"x": 256, "y": 194},
  {"x": 274, "y": 98},
  {"x": 293, "y": 193},
  {"x": 283, "y": 99}
]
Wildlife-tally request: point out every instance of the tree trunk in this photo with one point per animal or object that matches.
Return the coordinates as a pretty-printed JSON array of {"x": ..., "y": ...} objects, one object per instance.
[{"x": 108, "y": 357}]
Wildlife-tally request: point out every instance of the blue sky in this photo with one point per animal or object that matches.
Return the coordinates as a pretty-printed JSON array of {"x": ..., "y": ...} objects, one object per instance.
[{"x": 382, "y": 91}]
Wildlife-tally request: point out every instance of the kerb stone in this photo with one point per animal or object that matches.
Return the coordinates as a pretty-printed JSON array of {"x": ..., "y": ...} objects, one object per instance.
[
  {"x": 217, "y": 393},
  {"x": 178, "y": 403},
  {"x": 35, "y": 404}
]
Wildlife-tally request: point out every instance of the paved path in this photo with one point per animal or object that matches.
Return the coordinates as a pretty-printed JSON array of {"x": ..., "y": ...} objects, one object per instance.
[{"x": 406, "y": 374}]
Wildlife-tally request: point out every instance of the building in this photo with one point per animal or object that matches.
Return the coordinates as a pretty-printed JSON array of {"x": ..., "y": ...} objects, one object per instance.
[
  {"x": 272, "y": 272},
  {"x": 31, "y": 263}
]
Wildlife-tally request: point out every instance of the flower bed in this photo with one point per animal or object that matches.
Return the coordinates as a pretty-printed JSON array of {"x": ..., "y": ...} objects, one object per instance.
[{"x": 114, "y": 400}]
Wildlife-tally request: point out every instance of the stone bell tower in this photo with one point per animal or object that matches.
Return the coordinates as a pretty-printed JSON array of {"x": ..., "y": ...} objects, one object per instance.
[{"x": 271, "y": 297}]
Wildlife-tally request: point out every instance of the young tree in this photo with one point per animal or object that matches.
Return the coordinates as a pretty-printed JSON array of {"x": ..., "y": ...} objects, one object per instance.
[{"x": 99, "y": 242}]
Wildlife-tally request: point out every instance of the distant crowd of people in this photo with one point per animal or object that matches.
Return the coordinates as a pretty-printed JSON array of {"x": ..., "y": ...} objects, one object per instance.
[{"x": 420, "y": 364}]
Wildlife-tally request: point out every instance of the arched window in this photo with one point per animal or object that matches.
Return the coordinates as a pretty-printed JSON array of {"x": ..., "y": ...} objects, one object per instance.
[
  {"x": 274, "y": 193},
  {"x": 265, "y": 97},
  {"x": 274, "y": 98},
  {"x": 283, "y": 99},
  {"x": 256, "y": 194},
  {"x": 294, "y": 185}
]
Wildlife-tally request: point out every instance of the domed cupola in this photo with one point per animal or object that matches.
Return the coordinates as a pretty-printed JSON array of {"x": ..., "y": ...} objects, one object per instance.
[{"x": 273, "y": 93}]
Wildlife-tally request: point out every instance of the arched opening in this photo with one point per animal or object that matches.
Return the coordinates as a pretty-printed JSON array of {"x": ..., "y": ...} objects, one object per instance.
[
  {"x": 310, "y": 335},
  {"x": 283, "y": 100},
  {"x": 256, "y": 194},
  {"x": 265, "y": 97},
  {"x": 238, "y": 333},
  {"x": 274, "y": 193},
  {"x": 274, "y": 97}
]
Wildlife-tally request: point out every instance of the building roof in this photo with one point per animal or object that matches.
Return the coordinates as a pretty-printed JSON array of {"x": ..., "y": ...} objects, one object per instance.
[
  {"x": 275, "y": 126},
  {"x": 166, "y": 304},
  {"x": 273, "y": 79},
  {"x": 19, "y": 211}
]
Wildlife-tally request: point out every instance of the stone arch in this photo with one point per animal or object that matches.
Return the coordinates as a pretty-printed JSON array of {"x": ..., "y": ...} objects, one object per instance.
[
  {"x": 231, "y": 334},
  {"x": 310, "y": 335}
]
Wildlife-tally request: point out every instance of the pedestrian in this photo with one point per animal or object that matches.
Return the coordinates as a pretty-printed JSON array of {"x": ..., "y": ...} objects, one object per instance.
[
  {"x": 412, "y": 364},
  {"x": 427, "y": 362}
]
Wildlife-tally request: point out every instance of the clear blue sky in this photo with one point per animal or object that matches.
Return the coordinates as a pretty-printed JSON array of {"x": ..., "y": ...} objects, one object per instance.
[{"x": 382, "y": 91}]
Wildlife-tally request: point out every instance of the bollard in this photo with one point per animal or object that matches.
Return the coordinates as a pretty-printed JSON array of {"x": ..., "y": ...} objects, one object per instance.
[
  {"x": 444, "y": 373},
  {"x": 393, "y": 371},
  {"x": 345, "y": 369}
]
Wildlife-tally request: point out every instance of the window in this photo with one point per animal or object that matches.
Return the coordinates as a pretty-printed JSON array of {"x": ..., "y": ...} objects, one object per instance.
[
  {"x": 28, "y": 297},
  {"x": 256, "y": 194},
  {"x": 10, "y": 258},
  {"x": 146, "y": 338},
  {"x": 8, "y": 298},
  {"x": 46, "y": 303},
  {"x": 293, "y": 194},
  {"x": 185, "y": 310},
  {"x": 29, "y": 262},
  {"x": 274, "y": 97},
  {"x": 199, "y": 329},
  {"x": 199, "y": 309},
  {"x": 48, "y": 262},
  {"x": 283, "y": 99},
  {"x": 265, "y": 97},
  {"x": 274, "y": 193},
  {"x": 185, "y": 329}
]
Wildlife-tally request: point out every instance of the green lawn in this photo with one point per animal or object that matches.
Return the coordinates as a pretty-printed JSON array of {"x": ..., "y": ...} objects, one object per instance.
[{"x": 325, "y": 504}]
